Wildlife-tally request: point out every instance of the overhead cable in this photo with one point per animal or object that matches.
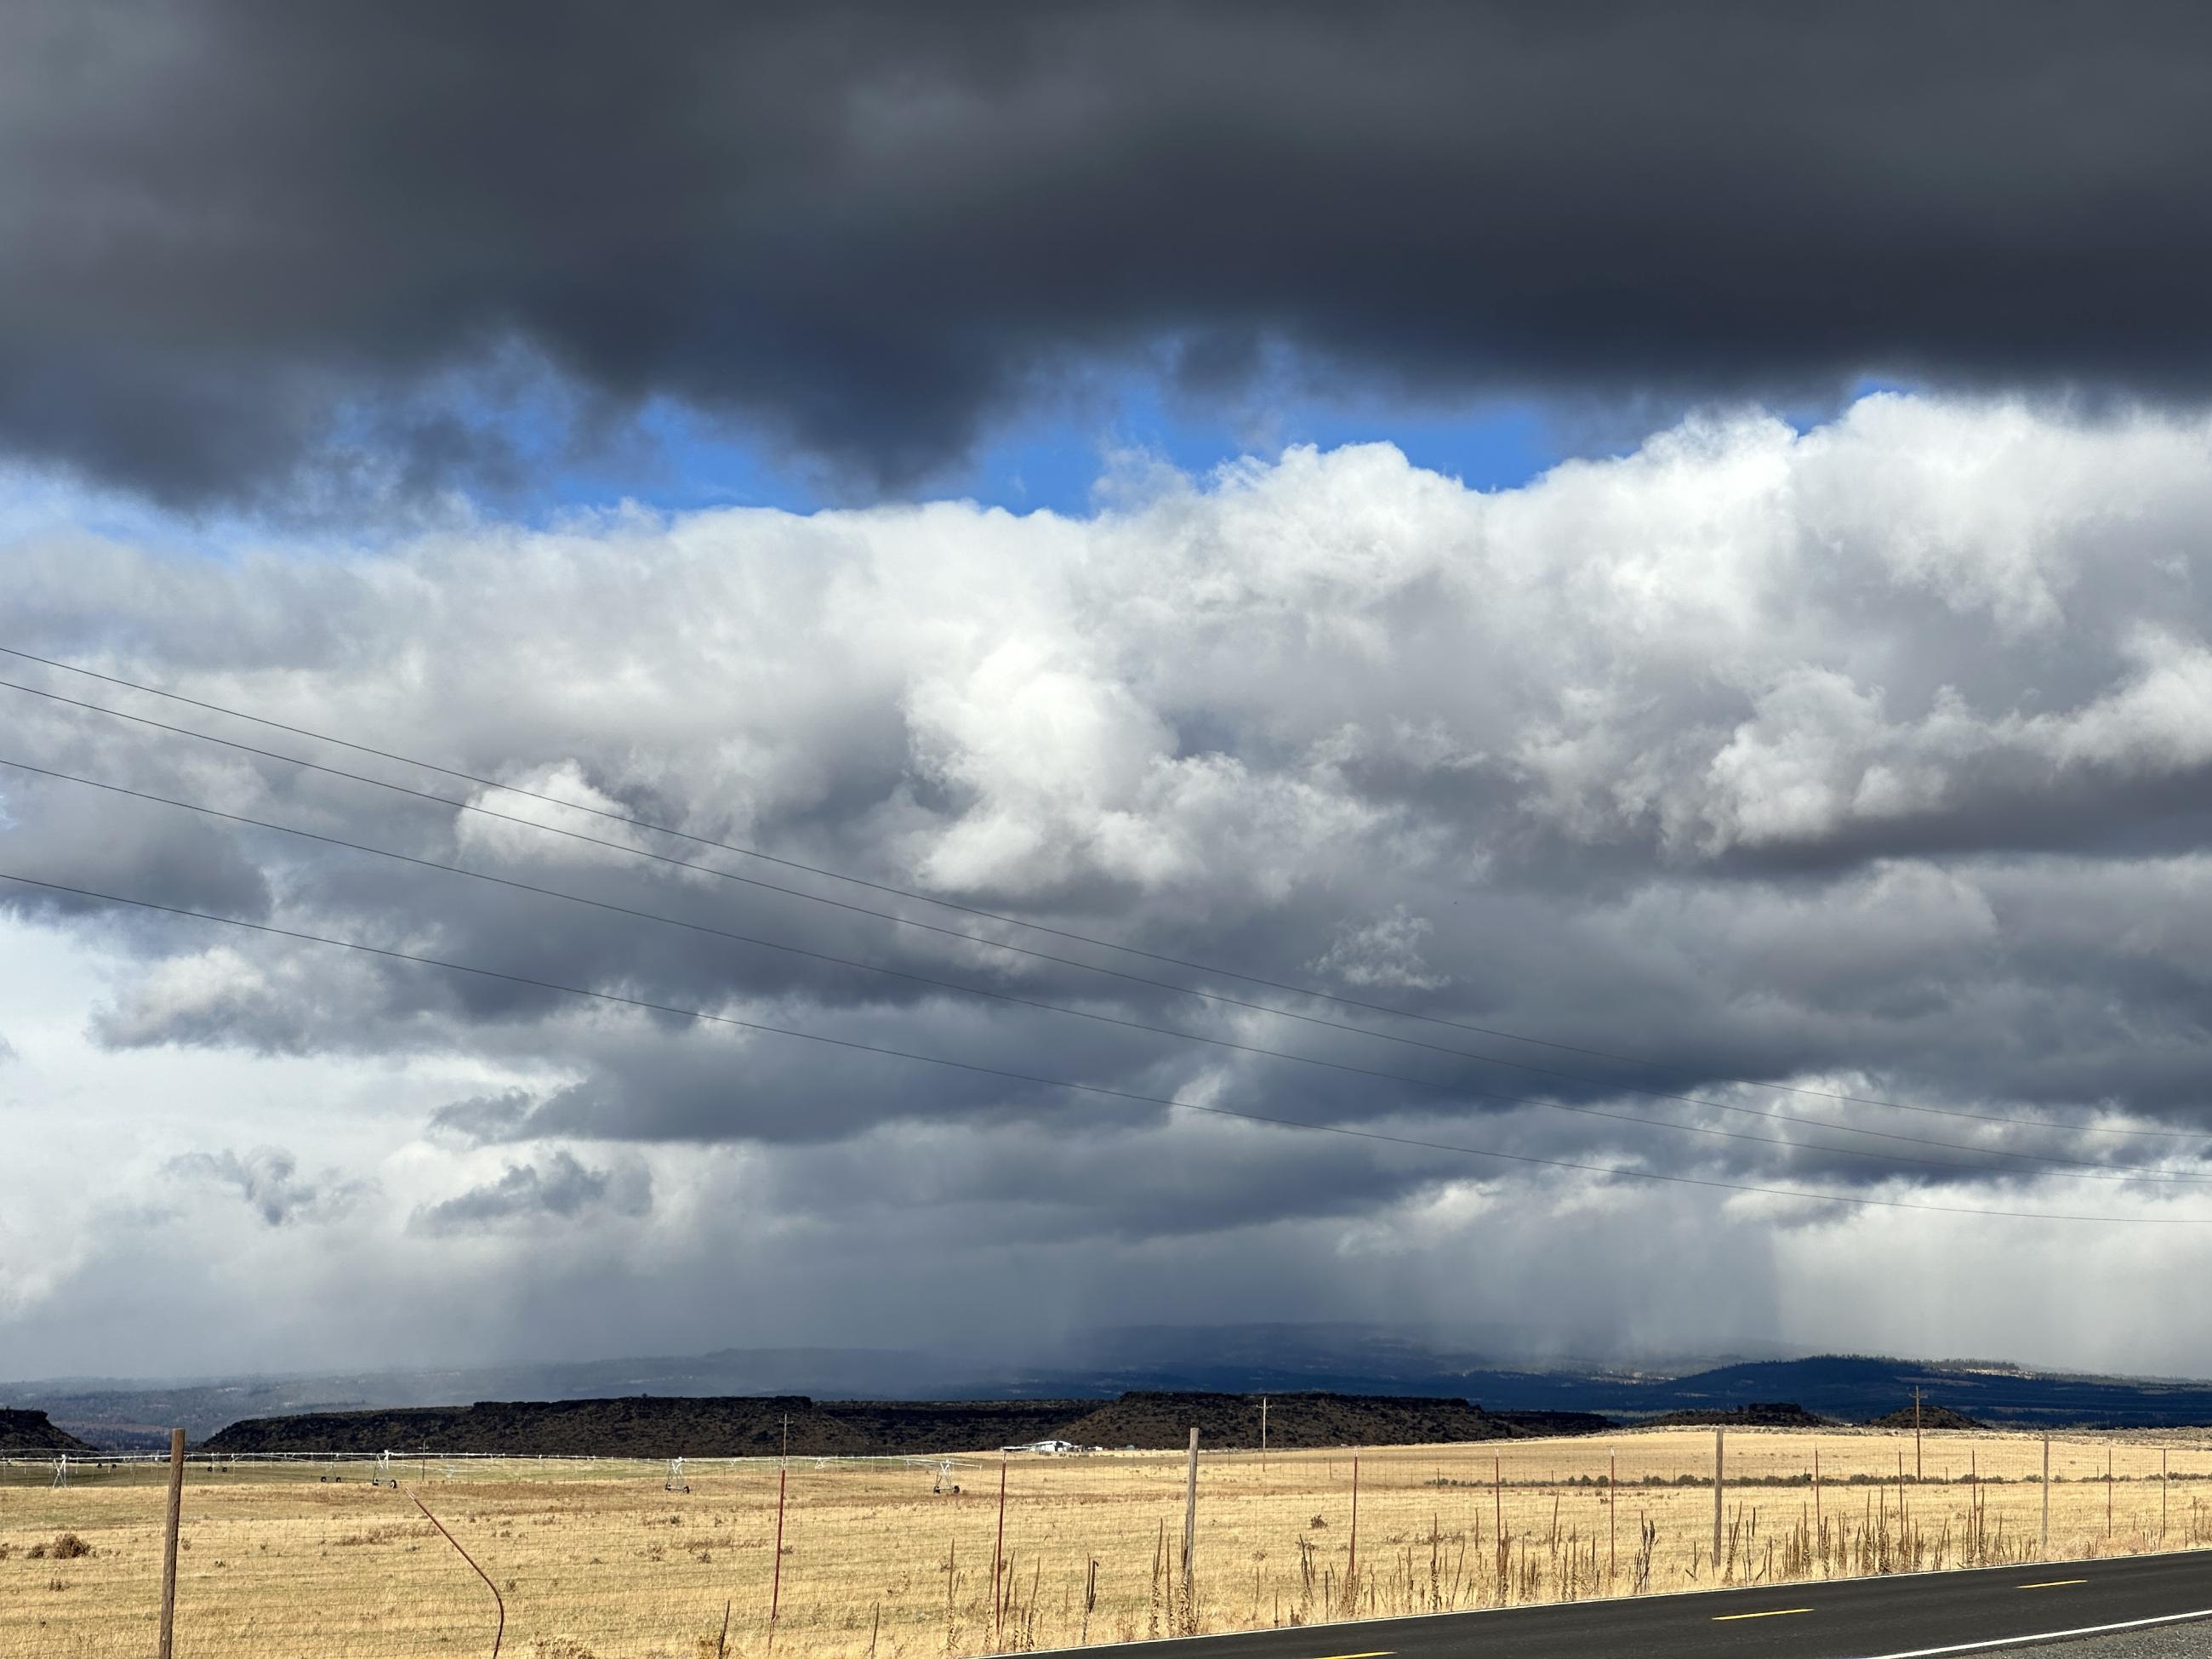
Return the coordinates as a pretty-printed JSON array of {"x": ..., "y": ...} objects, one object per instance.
[
  {"x": 2078, "y": 1169},
  {"x": 1852, "y": 1201},
  {"x": 459, "y": 805}
]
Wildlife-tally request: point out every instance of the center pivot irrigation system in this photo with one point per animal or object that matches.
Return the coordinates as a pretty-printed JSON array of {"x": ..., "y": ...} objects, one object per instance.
[{"x": 63, "y": 1469}]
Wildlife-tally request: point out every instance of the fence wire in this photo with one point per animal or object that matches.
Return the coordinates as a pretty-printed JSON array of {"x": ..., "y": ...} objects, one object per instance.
[{"x": 900, "y": 1557}]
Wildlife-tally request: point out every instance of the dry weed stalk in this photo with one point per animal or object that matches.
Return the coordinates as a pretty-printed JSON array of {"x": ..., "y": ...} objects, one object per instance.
[{"x": 869, "y": 1600}]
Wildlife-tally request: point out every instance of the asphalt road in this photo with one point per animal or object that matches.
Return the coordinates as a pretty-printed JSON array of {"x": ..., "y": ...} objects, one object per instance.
[{"x": 1987, "y": 1611}]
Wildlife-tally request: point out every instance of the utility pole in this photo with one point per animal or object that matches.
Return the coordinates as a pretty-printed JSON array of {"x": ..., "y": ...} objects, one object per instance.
[
  {"x": 1916, "y": 1437},
  {"x": 1263, "y": 1439},
  {"x": 169, "y": 1543},
  {"x": 1719, "y": 1441}
]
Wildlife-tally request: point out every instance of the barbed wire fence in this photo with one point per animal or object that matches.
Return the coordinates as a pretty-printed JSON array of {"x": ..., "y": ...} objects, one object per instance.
[{"x": 900, "y": 1555}]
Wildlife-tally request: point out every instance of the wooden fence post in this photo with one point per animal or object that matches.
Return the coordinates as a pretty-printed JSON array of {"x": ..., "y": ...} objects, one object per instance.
[
  {"x": 1352, "y": 1563},
  {"x": 998, "y": 1551},
  {"x": 2046, "y": 1497},
  {"x": 1612, "y": 1516},
  {"x": 169, "y": 1543},
  {"x": 1190, "y": 1528},
  {"x": 1497, "y": 1503},
  {"x": 1916, "y": 1437},
  {"x": 1719, "y": 1441}
]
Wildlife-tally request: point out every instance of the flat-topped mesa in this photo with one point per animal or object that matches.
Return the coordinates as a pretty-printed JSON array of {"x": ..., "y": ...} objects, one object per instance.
[
  {"x": 753, "y": 1426},
  {"x": 1928, "y": 1416},
  {"x": 30, "y": 1431},
  {"x": 1756, "y": 1414}
]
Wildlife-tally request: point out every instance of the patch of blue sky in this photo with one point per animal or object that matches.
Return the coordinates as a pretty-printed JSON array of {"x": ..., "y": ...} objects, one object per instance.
[
  {"x": 1490, "y": 445},
  {"x": 1055, "y": 459},
  {"x": 1062, "y": 457}
]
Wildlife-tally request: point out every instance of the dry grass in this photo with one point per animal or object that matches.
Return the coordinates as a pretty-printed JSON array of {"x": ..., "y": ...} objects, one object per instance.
[{"x": 597, "y": 1560}]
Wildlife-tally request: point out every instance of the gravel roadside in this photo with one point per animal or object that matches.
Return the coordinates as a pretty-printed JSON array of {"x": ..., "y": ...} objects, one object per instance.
[{"x": 2190, "y": 1641}]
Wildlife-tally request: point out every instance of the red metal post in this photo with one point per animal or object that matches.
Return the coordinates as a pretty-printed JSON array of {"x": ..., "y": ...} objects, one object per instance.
[{"x": 499, "y": 1601}]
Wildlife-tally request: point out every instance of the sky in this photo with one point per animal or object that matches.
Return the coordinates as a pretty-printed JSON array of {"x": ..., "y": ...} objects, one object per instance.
[{"x": 1014, "y": 669}]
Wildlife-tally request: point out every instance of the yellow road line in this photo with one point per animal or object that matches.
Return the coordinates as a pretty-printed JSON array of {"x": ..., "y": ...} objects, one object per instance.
[
  {"x": 1381, "y": 1653},
  {"x": 1775, "y": 1613},
  {"x": 2052, "y": 1584}
]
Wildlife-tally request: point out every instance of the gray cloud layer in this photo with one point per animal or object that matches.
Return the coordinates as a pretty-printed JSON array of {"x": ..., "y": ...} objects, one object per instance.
[
  {"x": 268, "y": 1178},
  {"x": 318, "y": 251},
  {"x": 1872, "y": 759}
]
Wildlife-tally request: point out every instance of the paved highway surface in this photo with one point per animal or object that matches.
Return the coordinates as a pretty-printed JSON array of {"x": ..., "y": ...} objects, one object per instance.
[{"x": 1987, "y": 1611}]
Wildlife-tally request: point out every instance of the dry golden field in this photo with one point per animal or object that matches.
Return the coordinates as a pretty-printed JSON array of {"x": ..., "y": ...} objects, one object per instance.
[{"x": 598, "y": 1560}]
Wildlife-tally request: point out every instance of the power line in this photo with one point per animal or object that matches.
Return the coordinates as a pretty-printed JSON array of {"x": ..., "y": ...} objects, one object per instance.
[
  {"x": 460, "y": 806},
  {"x": 1017, "y": 921},
  {"x": 1849, "y": 1199},
  {"x": 2073, "y": 1168}
]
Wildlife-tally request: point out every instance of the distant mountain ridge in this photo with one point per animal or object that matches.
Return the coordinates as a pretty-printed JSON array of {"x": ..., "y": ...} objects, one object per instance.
[
  {"x": 1234, "y": 1360},
  {"x": 642, "y": 1426},
  {"x": 1858, "y": 1389}
]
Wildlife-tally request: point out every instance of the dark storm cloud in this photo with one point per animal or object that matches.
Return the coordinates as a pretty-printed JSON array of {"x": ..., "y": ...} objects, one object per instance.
[
  {"x": 254, "y": 249},
  {"x": 561, "y": 1189},
  {"x": 85, "y": 836}
]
